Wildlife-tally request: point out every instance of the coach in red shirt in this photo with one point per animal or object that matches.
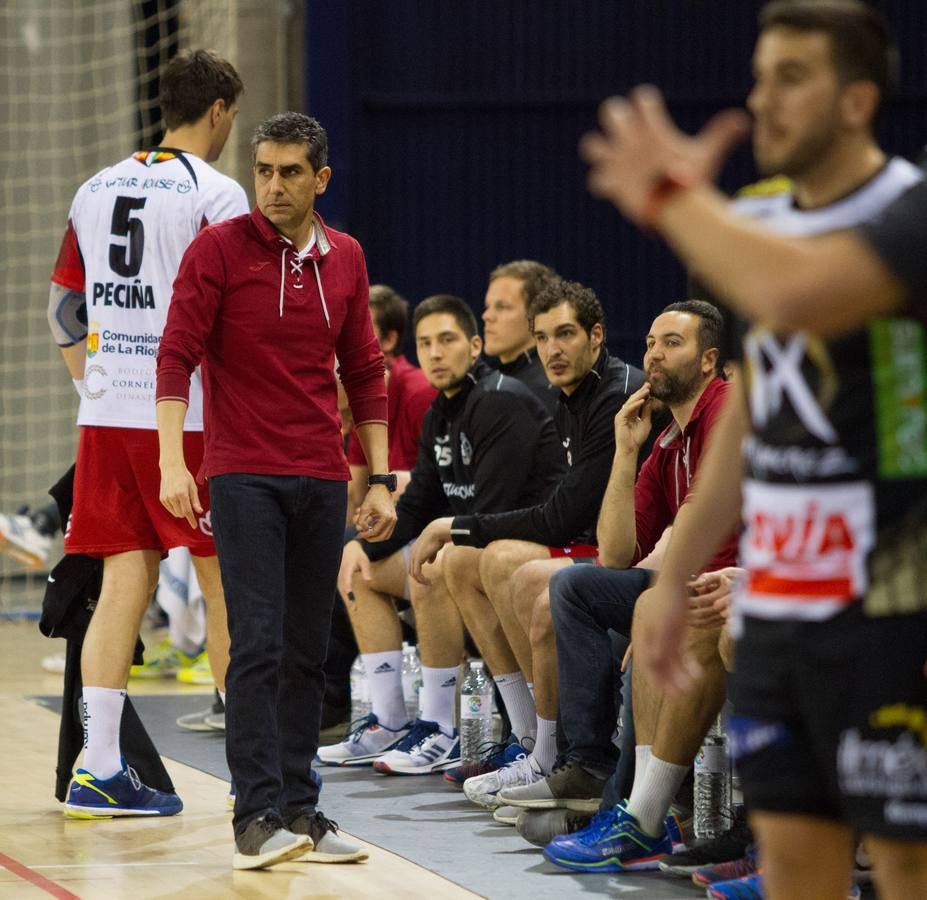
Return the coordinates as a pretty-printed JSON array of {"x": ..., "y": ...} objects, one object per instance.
[{"x": 266, "y": 302}]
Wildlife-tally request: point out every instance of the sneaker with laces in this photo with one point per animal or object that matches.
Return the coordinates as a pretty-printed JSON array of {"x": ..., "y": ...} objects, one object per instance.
[
  {"x": 124, "y": 794},
  {"x": 568, "y": 786},
  {"x": 482, "y": 789},
  {"x": 708, "y": 852},
  {"x": 327, "y": 845},
  {"x": 727, "y": 871},
  {"x": 164, "y": 661},
  {"x": 425, "y": 749},
  {"x": 266, "y": 842},
  {"x": 493, "y": 755},
  {"x": 199, "y": 672},
  {"x": 612, "y": 842},
  {"x": 541, "y": 826},
  {"x": 365, "y": 741},
  {"x": 20, "y": 539},
  {"x": 196, "y": 721}
]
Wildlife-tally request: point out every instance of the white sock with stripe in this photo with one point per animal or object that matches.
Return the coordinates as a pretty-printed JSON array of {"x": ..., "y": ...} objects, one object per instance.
[{"x": 384, "y": 675}]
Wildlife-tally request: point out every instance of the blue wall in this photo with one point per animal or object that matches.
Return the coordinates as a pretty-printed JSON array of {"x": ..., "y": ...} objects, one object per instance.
[{"x": 454, "y": 127}]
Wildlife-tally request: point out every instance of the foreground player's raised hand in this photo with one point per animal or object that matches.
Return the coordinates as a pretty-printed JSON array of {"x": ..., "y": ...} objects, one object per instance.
[
  {"x": 427, "y": 546},
  {"x": 660, "y": 617},
  {"x": 640, "y": 151}
]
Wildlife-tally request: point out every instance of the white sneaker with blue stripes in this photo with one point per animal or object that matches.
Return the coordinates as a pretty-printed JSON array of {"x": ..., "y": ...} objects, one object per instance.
[{"x": 425, "y": 749}]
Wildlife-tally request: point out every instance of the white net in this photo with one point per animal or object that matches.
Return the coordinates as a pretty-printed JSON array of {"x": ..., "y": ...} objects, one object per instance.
[{"x": 77, "y": 92}]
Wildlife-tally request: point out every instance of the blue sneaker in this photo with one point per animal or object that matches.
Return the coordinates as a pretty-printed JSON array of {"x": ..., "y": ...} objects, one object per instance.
[
  {"x": 750, "y": 887},
  {"x": 611, "y": 842},
  {"x": 122, "y": 795}
]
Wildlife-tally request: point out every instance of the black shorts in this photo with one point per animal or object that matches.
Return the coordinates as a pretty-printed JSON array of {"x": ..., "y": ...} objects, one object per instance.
[{"x": 830, "y": 720}]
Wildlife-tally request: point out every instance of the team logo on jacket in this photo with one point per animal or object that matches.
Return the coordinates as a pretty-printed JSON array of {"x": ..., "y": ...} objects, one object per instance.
[{"x": 466, "y": 450}]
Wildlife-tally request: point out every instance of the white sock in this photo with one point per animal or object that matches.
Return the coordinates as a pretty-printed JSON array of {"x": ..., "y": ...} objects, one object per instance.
[
  {"x": 545, "y": 745},
  {"x": 384, "y": 675},
  {"x": 222, "y": 697},
  {"x": 439, "y": 688},
  {"x": 650, "y": 804},
  {"x": 102, "y": 710},
  {"x": 519, "y": 704}
]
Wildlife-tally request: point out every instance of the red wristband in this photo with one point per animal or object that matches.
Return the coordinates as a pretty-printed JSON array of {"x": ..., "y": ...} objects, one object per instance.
[{"x": 661, "y": 192}]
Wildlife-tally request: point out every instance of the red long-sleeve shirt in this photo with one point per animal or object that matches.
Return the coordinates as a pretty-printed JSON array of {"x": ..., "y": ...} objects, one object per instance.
[
  {"x": 668, "y": 475},
  {"x": 267, "y": 325}
]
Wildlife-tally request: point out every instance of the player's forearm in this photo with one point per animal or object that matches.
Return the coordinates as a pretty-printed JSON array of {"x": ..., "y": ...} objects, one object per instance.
[
  {"x": 74, "y": 358},
  {"x": 616, "y": 530},
  {"x": 824, "y": 284},
  {"x": 171, "y": 415},
  {"x": 705, "y": 521},
  {"x": 375, "y": 443}
]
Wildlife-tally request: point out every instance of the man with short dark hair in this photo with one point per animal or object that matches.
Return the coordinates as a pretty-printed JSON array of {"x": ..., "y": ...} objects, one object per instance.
[
  {"x": 816, "y": 613},
  {"x": 267, "y": 301},
  {"x": 127, "y": 229},
  {"x": 487, "y": 445},
  {"x": 568, "y": 324}
]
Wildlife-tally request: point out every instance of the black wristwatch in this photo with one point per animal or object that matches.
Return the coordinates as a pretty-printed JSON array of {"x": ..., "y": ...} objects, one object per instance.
[{"x": 389, "y": 480}]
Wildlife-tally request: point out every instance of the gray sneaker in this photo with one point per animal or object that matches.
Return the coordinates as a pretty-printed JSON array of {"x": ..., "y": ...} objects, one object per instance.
[
  {"x": 266, "y": 842},
  {"x": 505, "y": 815},
  {"x": 197, "y": 721},
  {"x": 215, "y": 721},
  {"x": 328, "y": 845},
  {"x": 541, "y": 826},
  {"x": 568, "y": 786}
]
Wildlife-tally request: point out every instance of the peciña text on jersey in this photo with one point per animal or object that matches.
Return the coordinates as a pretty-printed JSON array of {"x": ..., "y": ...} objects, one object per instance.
[{"x": 126, "y": 296}]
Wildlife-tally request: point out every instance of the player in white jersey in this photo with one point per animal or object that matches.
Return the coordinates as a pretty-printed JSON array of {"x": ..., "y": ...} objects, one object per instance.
[{"x": 127, "y": 231}]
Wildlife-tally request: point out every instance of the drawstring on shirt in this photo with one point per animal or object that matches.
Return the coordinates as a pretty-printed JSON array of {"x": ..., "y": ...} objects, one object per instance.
[{"x": 296, "y": 267}]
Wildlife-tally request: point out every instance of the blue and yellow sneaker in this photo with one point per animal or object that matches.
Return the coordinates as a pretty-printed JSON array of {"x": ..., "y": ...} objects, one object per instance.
[
  {"x": 122, "y": 795},
  {"x": 750, "y": 887},
  {"x": 611, "y": 842}
]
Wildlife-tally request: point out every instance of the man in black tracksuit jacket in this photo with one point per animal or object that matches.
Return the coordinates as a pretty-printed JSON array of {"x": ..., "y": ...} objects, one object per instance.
[
  {"x": 487, "y": 445},
  {"x": 494, "y": 593}
]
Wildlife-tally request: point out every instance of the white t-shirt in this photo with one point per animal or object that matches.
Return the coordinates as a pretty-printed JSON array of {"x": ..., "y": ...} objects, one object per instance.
[{"x": 128, "y": 228}]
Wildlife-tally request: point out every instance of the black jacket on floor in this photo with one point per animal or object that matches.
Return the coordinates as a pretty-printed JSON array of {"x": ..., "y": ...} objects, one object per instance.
[{"x": 70, "y": 596}]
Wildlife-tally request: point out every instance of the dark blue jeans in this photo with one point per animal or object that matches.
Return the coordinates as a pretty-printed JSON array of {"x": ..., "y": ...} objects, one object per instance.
[
  {"x": 586, "y": 602},
  {"x": 279, "y": 540}
]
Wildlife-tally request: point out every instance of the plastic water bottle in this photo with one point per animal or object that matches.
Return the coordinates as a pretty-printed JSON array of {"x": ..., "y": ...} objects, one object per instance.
[
  {"x": 411, "y": 680},
  {"x": 475, "y": 712},
  {"x": 360, "y": 690},
  {"x": 712, "y": 793}
]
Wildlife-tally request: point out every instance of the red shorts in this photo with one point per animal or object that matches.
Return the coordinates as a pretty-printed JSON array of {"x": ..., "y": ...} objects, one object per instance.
[
  {"x": 587, "y": 552},
  {"x": 116, "y": 488}
]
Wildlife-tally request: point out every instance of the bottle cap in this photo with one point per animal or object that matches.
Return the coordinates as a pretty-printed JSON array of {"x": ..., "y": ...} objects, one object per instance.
[{"x": 476, "y": 663}]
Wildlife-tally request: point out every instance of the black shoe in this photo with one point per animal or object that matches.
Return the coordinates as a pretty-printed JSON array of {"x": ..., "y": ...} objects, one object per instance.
[{"x": 709, "y": 852}]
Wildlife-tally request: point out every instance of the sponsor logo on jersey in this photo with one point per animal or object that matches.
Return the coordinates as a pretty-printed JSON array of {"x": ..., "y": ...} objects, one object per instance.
[
  {"x": 94, "y": 377},
  {"x": 119, "y": 342},
  {"x": 776, "y": 373},
  {"x": 890, "y": 767},
  {"x": 126, "y": 296},
  {"x": 461, "y": 491},
  {"x": 93, "y": 340}
]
